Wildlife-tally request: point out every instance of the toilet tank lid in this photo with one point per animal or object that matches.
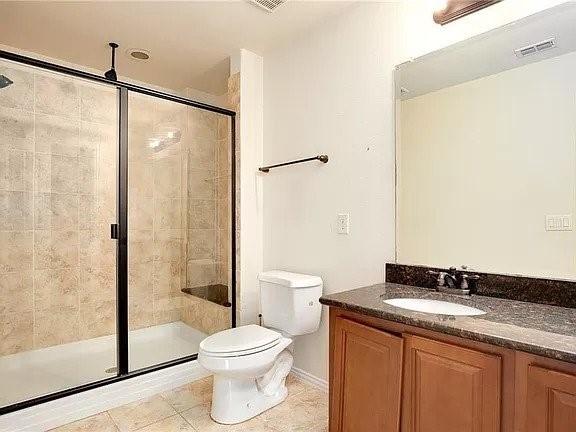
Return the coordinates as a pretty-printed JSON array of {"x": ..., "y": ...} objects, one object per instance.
[{"x": 288, "y": 279}]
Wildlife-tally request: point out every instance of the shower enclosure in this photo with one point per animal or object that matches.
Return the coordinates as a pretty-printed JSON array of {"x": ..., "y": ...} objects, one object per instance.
[{"x": 116, "y": 222}]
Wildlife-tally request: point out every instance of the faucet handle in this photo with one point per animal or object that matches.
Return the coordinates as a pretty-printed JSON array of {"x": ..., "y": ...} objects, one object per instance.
[
  {"x": 465, "y": 278},
  {"x": 440, "y": 276}
]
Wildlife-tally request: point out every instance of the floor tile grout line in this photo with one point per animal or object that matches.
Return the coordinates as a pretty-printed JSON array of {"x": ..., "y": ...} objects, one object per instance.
[
  {"x": 304, "y": 388},
  {"x": 111, "y": 420}
]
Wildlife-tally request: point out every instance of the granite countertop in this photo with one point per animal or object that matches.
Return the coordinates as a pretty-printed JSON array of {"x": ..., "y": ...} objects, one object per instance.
[{"x": 544, "y": 330}]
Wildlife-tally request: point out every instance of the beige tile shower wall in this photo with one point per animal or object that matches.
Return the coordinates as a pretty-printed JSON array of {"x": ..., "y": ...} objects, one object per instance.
[
  {"x": 223, "y": 184},
  {"x": 234, "y": 100},
  {"x": 157, "y": 174},
  {"x": 57, "y": 199},
  {"x": 202, "y": 220},
  {"x": 206, "y": 316},
  {"x": 175, "y": 221},
  {"x": 208, "y": 259},
  {"x": 58, "y": 147}
]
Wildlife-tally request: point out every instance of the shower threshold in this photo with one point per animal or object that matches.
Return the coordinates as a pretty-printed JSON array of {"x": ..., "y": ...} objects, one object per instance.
[{"x": 30, "y": 374}]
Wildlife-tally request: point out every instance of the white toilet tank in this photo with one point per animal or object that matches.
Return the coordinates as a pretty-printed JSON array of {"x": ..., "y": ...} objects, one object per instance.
[{"x": 290, "y": 301}]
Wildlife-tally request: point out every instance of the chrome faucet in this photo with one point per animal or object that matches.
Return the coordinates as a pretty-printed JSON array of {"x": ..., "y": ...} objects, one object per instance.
[{"x": 454, "y": 281}]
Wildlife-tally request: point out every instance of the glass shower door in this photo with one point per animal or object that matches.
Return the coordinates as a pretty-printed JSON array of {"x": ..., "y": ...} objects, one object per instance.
[
  {"x": 116, "y": 245},
  {"x": 178, "y": 228},
  {"x": 58, "y": 183}
]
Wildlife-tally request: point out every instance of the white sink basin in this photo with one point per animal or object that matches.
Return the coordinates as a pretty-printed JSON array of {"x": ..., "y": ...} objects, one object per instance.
[{"x": 434, "y": 306}]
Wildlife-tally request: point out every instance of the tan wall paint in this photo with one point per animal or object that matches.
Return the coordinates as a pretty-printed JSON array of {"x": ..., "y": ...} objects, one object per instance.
[{"x": 330, "y": 91}]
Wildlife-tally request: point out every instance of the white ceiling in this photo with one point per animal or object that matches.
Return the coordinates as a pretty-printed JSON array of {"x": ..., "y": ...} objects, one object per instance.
[
  {"x": 489, "y": 53},
  {"x": 189, "y": 41}
]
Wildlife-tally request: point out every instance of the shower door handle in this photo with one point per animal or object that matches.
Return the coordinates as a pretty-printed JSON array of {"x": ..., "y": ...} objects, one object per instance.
[{"x": 114, "y": 231}]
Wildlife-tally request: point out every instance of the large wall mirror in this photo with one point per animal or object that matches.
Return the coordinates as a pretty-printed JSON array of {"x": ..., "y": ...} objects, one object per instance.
[{"x": 486, "y": 151}]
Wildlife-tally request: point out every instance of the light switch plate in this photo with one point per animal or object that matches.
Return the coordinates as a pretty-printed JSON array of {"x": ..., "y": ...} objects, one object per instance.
[
  {"x": 559, "y": 223},
  {"x": 343, "y": 223}
]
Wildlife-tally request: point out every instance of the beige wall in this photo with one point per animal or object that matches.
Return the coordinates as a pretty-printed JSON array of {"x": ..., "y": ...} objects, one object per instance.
[
  {"x": 251, "y": 182},
  {"x": 330, "y": 91},
  {"x": 481, "y": 164}
]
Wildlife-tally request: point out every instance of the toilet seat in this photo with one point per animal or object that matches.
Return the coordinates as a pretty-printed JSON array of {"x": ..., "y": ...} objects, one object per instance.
[{"x": 240, "y": 341}]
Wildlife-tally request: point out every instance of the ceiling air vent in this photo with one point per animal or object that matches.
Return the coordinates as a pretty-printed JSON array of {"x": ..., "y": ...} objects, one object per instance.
[
  {"x": 536, "y": 48},
  {"x": 268, "y": 5}
]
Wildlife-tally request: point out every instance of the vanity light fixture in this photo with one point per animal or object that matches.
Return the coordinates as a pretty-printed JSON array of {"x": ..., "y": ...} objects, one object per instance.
[{"x": 456, "y": 9}]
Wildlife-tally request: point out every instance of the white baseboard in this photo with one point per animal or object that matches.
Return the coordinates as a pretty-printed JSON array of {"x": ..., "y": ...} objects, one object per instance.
[
  {"x": 75, "y": 407},
  {"x": 310, "y": 379}
]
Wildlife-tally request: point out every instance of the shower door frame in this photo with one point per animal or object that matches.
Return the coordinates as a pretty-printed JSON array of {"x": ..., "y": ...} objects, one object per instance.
[{"x": 122, "y": 332}]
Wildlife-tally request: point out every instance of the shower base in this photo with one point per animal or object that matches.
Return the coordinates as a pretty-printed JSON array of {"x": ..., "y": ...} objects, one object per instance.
[{"x": 30, "y": 374}]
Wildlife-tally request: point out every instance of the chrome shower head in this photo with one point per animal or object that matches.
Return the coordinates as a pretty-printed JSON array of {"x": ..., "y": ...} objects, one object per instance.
[{"x": 5, "y": 81}]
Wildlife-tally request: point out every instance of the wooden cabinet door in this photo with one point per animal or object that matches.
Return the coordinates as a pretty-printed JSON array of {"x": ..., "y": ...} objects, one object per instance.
[
  {"x": 366, "y": 378},
  {"x": 449, "y": 388},
  {"x": 550, "y": 401}
]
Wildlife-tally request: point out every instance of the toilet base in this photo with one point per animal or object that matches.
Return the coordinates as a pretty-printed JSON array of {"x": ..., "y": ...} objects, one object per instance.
[{"x": 235, "y": 400}]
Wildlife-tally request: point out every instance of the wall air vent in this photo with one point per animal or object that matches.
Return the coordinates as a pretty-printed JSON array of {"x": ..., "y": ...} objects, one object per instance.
[
  {"x": 536, "y": 48},
  {"x": 268, "y": 5}
]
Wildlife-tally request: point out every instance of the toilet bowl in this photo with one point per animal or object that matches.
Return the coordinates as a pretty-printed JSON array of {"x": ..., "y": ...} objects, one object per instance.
[
  {"x": 240, "y": 389},
  {"x": 250, "y": 363}
]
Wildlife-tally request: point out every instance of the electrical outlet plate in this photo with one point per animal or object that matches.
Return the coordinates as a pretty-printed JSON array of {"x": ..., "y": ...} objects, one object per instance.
[
  {"x": 559, "y": 223},
  {"x": 343, "y": 223}
]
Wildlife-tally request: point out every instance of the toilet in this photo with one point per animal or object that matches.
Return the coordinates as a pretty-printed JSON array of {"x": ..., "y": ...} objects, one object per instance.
[{"x": 250, "y": 363}]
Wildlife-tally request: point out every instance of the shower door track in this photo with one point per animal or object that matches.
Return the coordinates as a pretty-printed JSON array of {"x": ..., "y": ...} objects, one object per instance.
[{"x": 122, "y": 223}]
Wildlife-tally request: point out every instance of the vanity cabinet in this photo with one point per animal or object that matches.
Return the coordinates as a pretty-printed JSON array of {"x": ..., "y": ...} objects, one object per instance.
[
  {"x": 366, "y": 378},
  {"x": 392, "y": 377},
  {"x": 546, "y": 395},
  {"x": 449, "y": 388},
  {"x": 445, "y": 387},
  {"x": 551, "y": 401}
]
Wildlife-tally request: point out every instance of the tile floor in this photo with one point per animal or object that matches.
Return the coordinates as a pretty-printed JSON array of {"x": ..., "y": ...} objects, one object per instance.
[{"x": 187, "y": 409}]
